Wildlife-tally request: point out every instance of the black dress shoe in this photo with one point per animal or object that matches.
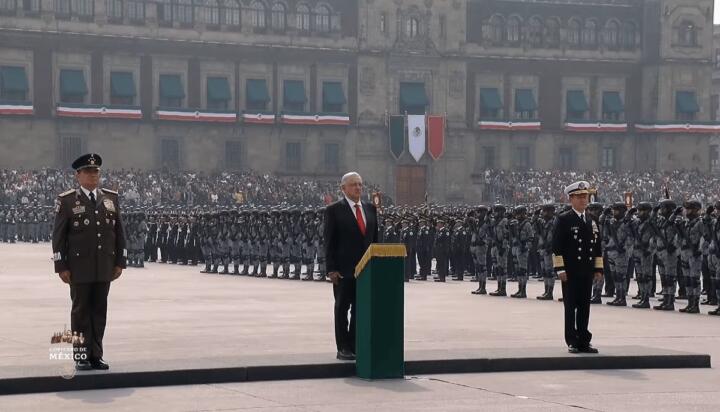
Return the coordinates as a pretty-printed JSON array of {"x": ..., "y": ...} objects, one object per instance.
[
  {"x": 99, "y": 364},
  {"x": 345, "y": 355},
  {"x": 83, "y": 365},
  {"x": 588, "y": 349},
  {"x": 573, "y": 349},
  {"x": 596, "y": 300}
]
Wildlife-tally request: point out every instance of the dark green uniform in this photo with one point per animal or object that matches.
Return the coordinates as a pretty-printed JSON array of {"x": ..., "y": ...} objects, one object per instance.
[{"x": 88, "y": 240}]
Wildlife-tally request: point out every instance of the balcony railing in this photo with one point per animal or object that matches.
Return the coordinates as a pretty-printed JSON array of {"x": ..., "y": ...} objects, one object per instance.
[{"x": 203, "y": 16}]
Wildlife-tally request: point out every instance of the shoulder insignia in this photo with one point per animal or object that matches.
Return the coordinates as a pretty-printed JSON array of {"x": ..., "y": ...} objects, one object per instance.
[
  {"x": 109, "y": 191},
  {"x": 63, "y": 194}
]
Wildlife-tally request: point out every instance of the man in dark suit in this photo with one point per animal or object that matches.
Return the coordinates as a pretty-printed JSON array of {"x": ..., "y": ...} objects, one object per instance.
[
  {"x": 350, "y": 227},
  {"x": 89, "y": 252},
  {"x": 577, "y": 258}
]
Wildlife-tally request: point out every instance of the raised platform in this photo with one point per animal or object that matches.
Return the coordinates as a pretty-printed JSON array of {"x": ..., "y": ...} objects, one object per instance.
[{"x": 19, "y": 380}]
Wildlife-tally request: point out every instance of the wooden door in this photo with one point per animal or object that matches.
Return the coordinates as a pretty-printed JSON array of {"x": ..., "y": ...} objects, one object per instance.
[{"x": 410, "y": 185}]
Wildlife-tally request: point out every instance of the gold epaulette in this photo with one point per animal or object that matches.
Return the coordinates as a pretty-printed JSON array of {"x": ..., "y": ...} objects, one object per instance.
[
  {"x": 109, "y": 191},
  {"x": 63, "y": 194}
]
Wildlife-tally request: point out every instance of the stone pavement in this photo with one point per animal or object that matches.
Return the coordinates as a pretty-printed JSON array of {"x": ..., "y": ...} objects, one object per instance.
[
  {"x": 612, "y": 391},
  {"x": 173, "y": 313}
]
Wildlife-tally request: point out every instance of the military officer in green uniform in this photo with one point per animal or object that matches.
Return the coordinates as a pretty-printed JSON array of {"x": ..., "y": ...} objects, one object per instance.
[{"x": 89, "y": 252}]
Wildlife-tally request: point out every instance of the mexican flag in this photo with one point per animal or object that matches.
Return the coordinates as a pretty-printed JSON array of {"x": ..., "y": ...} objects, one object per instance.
[
  {"x": 416, "y": 135},
  {"x": 397, "y": 135}
]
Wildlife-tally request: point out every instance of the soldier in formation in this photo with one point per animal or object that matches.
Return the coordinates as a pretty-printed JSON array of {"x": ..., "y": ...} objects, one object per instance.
[
  {"x": 29, "y": 223},
  {"x": 277, "y": 242}
]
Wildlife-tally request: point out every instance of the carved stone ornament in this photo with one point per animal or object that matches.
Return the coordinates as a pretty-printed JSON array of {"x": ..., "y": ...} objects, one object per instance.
[
  {"x": 456, "y": 83},
  {"x": 367, "y": 80}
]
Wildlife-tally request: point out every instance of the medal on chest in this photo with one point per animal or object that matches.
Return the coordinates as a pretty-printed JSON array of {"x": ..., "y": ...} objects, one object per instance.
[{"x": 109, "y": 205}]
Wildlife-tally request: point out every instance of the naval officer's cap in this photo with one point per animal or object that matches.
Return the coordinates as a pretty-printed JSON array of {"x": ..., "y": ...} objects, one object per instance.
[{"x": 578, "y": 188}]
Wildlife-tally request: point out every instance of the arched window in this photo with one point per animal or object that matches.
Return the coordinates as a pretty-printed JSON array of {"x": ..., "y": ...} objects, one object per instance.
[
  {"x": 83, "y": 7},
  {"x": 494, "y": 30},
  {"x": 322, "y": 19},
  {"x": 687, "y": 33},
  {"x": 30, "y": 6},
  {"x": 514, "y": 26},
  {"x": 573, "y": 32},
  {"x": 589, "y": 34},
  {"x": 62, "y": 7},
  {"x": 257, "y": 14},
  {"x": 412, "y": 27},
  {"x": 183, "y": 11},
  {"x": 277, "y": 17},
  {"x": 230, "y": 13},
  {"x": 612, "y": 34},
  {"x": 628, "y": 35},
  {"x": 303, "y": 17},
  {"x": 485, "y": 31},
  {"x": 114, "y": 9},
  {"x": 7, "y": 5},
  {"x": 552, "y": 32},
  {"x": 135, "y": 10},
  {"x": 535, "y": 31},
  {"x": 209, "y": 12}
]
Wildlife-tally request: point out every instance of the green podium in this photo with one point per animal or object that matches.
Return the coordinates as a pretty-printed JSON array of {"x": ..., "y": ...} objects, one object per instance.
[{"x": 380, "y": 306}]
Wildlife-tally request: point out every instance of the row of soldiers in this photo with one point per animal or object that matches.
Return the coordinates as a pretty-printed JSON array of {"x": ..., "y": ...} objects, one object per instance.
[
  {"x": 481, "y": 243},
  {"x": 247, "y": 241},
  {"x": 679, "y": 242},
  {"x": 26, "y": 223}
]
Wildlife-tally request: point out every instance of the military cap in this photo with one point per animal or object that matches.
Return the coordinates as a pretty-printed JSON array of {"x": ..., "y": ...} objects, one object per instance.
[
  {"x": 644, "y": 206},
  {"x": 693, "y": 204},
  {"x": 668, "y": 203},
  {"x": 578, "y": 188},
  {"x": 520, "y": 209},
  {"x": 619, "y": 206},
  {"x": 87, "y": 161},
  {"x": 595, "y": 206}
]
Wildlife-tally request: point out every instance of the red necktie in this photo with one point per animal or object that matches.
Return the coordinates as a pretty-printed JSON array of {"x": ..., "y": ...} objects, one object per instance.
[{"x": 358, "y": 216}]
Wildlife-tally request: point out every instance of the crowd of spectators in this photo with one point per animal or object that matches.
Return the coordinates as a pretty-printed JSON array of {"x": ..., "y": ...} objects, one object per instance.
[
  {"x": 534, "y": 186},
  {"x": 186, "y": 188},
  {"x": 155, "y": 188}
]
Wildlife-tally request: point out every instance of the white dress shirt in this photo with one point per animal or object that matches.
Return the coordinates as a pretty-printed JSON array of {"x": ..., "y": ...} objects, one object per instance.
[
  {"x": 87, "y": 192},
  {"x": 352, "y": 207},
  {"x": 581, "y": 215}
]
